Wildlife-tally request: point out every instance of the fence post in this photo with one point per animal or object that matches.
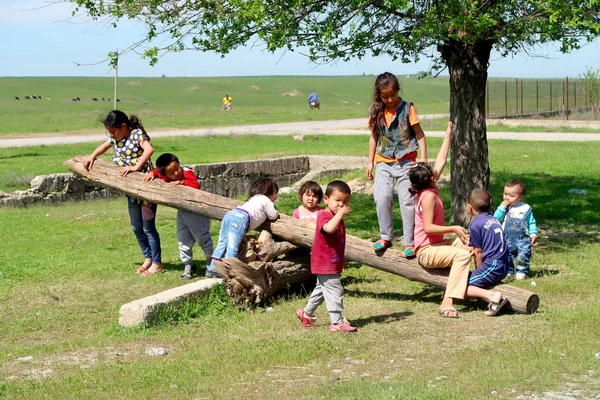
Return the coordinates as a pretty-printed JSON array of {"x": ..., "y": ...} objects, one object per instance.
[
  {"x": 517, "y": 98},
  {"x": 521, "y": 97},
  {"x": 575, "y": 95},
  {"x": 567, "y": 98},
  {"x": 550, "y": 96},
  {"x": 506, "y": 99},
  {"x": 537, "y": 98}
]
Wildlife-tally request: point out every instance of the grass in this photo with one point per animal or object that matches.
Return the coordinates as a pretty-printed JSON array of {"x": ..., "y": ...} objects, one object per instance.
[
  {"x": 67, "y": 269},
  {"x": 196, "y": 102},
  {"x": 174, "y": 103}
]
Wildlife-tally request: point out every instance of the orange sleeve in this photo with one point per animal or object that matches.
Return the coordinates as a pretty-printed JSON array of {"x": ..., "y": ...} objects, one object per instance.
[{"x": 413, "y": 118}]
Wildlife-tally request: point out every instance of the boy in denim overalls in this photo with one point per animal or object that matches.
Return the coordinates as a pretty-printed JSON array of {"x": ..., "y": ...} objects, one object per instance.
[{"x": 519, "y": 226}]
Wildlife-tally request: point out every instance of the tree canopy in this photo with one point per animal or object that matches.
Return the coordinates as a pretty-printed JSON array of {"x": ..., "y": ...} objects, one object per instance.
[
  {"x": 457, "y": 34},
  {"x": 346, "y": 29}
]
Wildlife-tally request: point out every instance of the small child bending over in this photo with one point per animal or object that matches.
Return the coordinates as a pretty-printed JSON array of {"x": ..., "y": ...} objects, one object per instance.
[
  {"x": 249, "y": 216},
  {"x": 433, "y": 251},
  {"x": 519, "y": 226},
  {"x": 310, "y": 195},
  {"x": 191, "y": 228},
  {"x": 327, "y": 260},
  {"x": 490, "y": 250}
]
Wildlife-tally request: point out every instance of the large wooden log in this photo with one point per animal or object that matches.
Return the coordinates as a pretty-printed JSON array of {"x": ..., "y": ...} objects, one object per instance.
[{"x": 287, "y": 228}]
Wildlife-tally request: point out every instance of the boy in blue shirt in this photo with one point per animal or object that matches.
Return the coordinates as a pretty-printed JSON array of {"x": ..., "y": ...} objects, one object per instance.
[
  {"x": 519, "y": 227},
  {"x": 489, "y": 248}
]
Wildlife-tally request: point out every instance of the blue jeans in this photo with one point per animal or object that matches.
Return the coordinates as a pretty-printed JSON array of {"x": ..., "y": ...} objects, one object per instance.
[
  {"x": 233, "y": 228},
  {"x": 519, "y": 252},
  {"x": 143, "y": 224}
]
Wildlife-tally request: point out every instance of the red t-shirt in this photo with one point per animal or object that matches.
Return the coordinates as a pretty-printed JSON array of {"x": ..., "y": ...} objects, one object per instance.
[
  {"x": 189, "y": 178},
  {"x": 327, "y": 255}
]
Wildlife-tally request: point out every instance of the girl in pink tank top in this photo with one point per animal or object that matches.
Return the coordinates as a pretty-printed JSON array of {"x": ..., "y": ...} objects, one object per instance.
[{"x": 432, "y": 250}]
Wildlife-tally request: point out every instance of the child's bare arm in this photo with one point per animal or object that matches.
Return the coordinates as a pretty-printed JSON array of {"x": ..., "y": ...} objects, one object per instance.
[
  {"x": 421, "y": 141},
  {"x": 175, "y": 183},
  {"x": 372, "y": 146},
  {"x": 442, "y": 157},
  {"x": 332, "y": 225},
  {"x": 88, "y": 162},
  {"x": 428, "y": 206},
  {"x": 477, "y": 252}
]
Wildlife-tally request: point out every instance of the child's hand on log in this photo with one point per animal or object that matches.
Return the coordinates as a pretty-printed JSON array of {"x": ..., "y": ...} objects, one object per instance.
[{"x": 149, "y": 177}]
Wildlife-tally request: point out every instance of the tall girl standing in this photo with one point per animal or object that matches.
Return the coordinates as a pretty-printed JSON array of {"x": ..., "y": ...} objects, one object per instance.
[
  {"x": 396, "y": 139},
  {"x": 132, "y": 152}
]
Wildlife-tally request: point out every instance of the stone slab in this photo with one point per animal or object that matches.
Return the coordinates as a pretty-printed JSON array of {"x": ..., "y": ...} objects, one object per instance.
[{"x": 145, "y": 310}]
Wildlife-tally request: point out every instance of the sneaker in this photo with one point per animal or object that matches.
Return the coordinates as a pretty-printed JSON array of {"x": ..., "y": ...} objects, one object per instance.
[
  {"x": 409, "y": 252},
  {"x": 343, "y": 326},
  {"x": 520, "y": 276},
  {"x": 308, "y": 321},
  {"x": 188, "y": 272},
  {"x": 212, "y": 274}
]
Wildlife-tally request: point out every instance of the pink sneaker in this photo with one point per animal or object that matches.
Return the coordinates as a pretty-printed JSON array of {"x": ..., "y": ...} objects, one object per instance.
[
  {"x": 343, "y": 326},
  {"x": 307, "y": 321}
]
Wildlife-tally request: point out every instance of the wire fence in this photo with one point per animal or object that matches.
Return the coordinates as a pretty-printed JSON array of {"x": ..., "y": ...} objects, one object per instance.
[{"x": 525, "y": 98}]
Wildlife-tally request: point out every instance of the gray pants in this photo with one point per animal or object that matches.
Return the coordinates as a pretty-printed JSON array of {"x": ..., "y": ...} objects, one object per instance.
[
  {"x": 383, "y": 193},
  {"x": 330, "y": 289},
  {"x": 192, "y": 228}
]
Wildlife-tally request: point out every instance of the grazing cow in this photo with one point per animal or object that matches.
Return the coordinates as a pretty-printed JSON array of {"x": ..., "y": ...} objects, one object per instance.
[
  {"x": 118, "y": 100},
  {"x": 145, "y": 103},
  {"x": 27, "y": 97},
  {"x": 34, "y": 96},
  {"x": 94, "y": 99},
  {"x": 73, "y": 99},
  {"x": 16, "y": 98},
  {"x": 103, "y": 99},
  {"x": 78, "y": 99}
]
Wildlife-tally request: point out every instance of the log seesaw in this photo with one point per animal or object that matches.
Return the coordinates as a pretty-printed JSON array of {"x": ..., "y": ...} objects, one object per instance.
[{"x": 258, "y": 273}]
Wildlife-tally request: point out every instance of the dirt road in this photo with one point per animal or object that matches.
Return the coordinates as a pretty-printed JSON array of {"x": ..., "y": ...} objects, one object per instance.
[{"x": 337, "y": 127}]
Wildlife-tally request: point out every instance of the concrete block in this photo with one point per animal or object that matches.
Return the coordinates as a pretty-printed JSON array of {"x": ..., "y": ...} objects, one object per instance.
[{"x": 144, "y": 311}]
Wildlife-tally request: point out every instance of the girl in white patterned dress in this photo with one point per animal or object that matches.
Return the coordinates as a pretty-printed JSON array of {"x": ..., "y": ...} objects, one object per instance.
[{"x": 132, "y": 152}]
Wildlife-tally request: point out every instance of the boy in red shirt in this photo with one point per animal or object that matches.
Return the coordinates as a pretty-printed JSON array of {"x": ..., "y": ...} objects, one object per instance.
[
  {"x": 327, "y": 260},
  {"x": 191, "y": 228}
]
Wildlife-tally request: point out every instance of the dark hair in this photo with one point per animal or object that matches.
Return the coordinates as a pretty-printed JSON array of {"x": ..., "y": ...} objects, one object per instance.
[
  {"x": 116, "y": 118},
  {"x": 311, "y": 186},
  {"x": 266, "y": 186},
  {"x": 340, "y": 186},
  {"x": 479, "y": 199},
  {"x": 164, "y": 160},
  {"x": 516, "y": 182},
  {"x": 377, "y": 111},
  {"x": 420, "y": 176}
]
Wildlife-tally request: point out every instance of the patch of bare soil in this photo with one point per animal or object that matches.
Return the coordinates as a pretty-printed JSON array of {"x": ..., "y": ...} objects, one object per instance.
[
  {"x": 34, "y": 367},
  {"x": 292, "y": 93},
  {"x": 582, "y": 387}
]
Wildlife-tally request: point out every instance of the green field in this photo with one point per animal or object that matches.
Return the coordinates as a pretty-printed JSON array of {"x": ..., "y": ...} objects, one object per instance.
[
  {"x": 196, "y": 102},
  {"x": 65, "y": 271}
]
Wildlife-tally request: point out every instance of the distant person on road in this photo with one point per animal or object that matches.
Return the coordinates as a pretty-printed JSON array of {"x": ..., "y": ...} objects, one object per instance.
[
  {"x": 313, "y": 101},
  {"x": 191, "y": 228},
  {"x": 132, "y": 152},
  {"x": 227, "y": 103},
  {"x": 396, "y": 139}
]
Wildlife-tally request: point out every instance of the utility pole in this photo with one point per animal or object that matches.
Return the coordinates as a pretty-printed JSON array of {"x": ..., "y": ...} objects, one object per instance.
[{"x": 116, "y": 79}]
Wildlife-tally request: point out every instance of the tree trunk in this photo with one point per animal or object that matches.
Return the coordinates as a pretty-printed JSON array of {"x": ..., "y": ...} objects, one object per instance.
[
  {"x": 470, "y": 169},
  {"x": 298, "y": 232},
  {"x": 248, "y": 284}
]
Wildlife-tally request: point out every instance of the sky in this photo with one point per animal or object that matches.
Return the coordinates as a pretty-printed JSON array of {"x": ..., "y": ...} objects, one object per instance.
[{"x": 40, "y": 39}]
